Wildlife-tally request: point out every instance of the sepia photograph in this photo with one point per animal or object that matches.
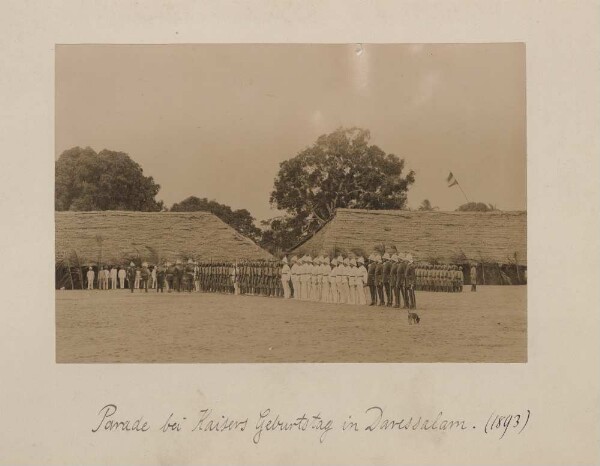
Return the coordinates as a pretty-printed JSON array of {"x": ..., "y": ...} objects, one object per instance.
[{"x": 291, "y": 203}]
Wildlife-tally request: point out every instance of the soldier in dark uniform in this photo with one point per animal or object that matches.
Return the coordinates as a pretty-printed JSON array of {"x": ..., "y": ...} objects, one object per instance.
[
  {"x": 410, "y": 282},
  {"x": 170, "y": 276},
  {"x": 400, "y": 280},
  {"x": 145, "y": 274},
  {"x": 188, "y": 277},
  {"x": 131, "y": 276},
  {"x": 379, "y": 279},
  {"x": 394, "y": 280},
  {"x": 371, "y": 279},
  {"x": 387, "y": 267},
  {"x": 160, "y": 278}
]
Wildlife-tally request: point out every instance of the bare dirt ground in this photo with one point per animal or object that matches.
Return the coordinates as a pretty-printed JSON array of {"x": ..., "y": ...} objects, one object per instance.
[{"x": 118, "y": 326}]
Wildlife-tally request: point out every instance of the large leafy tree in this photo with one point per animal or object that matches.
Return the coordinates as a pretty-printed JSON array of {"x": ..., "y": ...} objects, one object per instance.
[
  {"x": 240, "y": 219},
  {"x": 340, "y": 169},
  {"x": 86, "y": 180}
]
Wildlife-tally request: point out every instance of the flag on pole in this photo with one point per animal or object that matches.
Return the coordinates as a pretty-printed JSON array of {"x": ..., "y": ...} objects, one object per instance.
[{"x": 451, "y": 180}]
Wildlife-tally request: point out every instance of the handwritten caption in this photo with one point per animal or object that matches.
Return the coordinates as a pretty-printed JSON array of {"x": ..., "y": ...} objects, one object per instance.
[{"x": 267, "y": 421}]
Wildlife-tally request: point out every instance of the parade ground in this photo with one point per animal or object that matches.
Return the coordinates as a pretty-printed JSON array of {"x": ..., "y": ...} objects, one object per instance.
[{"x": 118, "y": 326}]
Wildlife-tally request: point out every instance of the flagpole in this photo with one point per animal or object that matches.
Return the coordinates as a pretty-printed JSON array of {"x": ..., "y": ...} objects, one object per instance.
[{"x": 461, "y": 190}]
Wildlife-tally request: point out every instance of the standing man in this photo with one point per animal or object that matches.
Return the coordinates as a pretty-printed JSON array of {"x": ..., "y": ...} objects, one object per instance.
[
  {"x": 138, "y": 277},
  {"x": 353, "y": 278},
  {"x": 342, "y": 281},
  {"x": 90, "y": 278},
  {"x": 401, "y": 282},
  {"x": 325, "y": 289},
  {"x": 474, "y": 277},
  {"x": 113, "y": 277},
  {"x": 160, "y": 278},
  {"x": 131, "y": 274},
  {"x": 379, "y": 279},
  {"x": 169, "y": 276},
  {"x": 362, "y": 277},
  {"x": 394, "y": 279},
  {"x": 387, "y": 268},
  {"x": 333, "y": 291},
  {"x": 295, "y": 278},
  {"x": 122, "y": 275},
  {"x": 286, "y": 276},
  {"x": 178, "y": 277},
  {"x": 153, "y": 275},
  {"x": 371, "y": 279},
  {"x": 144, "y": 277},
  {"x": 411, "y": 282},
  {"x": 105, "y": 276}
]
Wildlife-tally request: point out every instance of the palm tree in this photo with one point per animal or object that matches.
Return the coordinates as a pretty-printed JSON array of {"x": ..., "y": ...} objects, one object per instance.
[{"x": 426, "y": 206}]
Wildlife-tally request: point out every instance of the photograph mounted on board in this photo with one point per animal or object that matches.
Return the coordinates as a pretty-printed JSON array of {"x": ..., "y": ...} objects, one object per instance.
[{"x": 246, "y": 203}]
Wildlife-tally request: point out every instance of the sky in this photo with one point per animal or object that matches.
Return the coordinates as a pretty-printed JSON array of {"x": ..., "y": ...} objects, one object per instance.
[{"x": 215, "y": 121}]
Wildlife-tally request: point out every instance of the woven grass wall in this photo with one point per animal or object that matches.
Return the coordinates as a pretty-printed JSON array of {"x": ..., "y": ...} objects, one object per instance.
[
  {"x": 431, "y": 236},
  {"x": 112, "y": 237}
]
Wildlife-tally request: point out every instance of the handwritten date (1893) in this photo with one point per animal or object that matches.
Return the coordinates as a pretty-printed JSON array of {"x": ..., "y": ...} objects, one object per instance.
[{"x": 504, "y": 422}]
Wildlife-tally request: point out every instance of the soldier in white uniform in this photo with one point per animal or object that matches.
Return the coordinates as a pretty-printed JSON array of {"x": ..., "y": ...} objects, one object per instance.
[
  {"x": 322, "y": 272},
  {"x": 305, "y": 277},
  {"x": 343, "y": 273},
  {"x": 314, "y": 279},
  {"x": 333, "y": 292},
  {"x": 122, "y": 275},
  {"x": 325, "y": 269},
  {"x": 295, "y": 277},
  {"x": 361, "y": 281},
  {"x": 153, "y": 276},
  {"x": 90, "y": 278},
  {"x": 286, "y": 275},
  {"x": 352, "y": 272},
  {"x": 339, "y": 276},
  {"x": 113, "y": 277}
]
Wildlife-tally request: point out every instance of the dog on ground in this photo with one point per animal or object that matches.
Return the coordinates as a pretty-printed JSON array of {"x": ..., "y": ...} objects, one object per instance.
[{"x": 413, "y": 318}]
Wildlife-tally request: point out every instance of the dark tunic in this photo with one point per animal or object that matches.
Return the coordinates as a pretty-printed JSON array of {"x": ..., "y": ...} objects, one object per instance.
[
  {"x": 379, "y": 274},
  {"x": 387, "y": 267},
  {"x": 371, "y": 274}
]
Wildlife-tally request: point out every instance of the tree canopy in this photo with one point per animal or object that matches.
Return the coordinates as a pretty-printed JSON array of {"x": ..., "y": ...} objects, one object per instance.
[
  {"x": 340, "y": 169},
  {"x": 426, "y": 206},
  {"x": 282, "y": 233},
  {"x": 476, "y": 207},
  {"x": 240, "y": 219},
  {"x": 109, "y": 180}
]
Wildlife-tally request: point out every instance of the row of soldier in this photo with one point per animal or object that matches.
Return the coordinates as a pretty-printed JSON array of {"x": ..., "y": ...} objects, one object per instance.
[
  {"x": 441, "y": 278},
  {"x": 387, "y": 280},
  {"x": 245, "y": 277}
]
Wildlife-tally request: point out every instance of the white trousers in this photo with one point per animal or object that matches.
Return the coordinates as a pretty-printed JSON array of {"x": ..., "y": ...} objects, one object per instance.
[
  {"x": 360, "y": 294},
  {"x": 351, "y": 293},
  {"x": 343, "y": 291},
  {"x": 305, "y": 288},
  {"x": 314, "y": 289},
  {"x": 122, "y": 281},
  {"x": 296, "y": 285},
  {"x": 285, "y": 281},
  {"x": 333, "y": 292},
  {"x": 325, "y": 298}
]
